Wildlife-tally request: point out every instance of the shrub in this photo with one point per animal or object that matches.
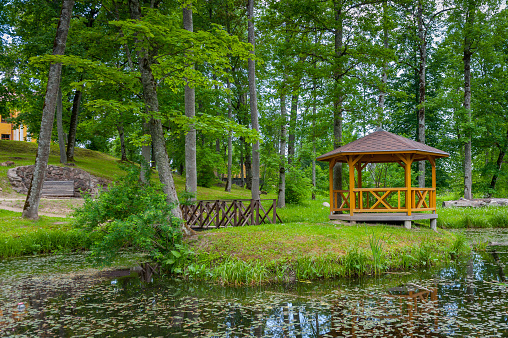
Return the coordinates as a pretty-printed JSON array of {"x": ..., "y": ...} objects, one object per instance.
[
  {"x": 132, "y": 214},
  {"x": 298, "y": 187}
]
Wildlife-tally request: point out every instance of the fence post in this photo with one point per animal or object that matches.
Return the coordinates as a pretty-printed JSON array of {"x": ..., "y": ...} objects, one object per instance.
[
  {"x": 258, "y": 202},
  {"x": 274, "y": 211},
  {"x": 251, "y": 212},
  {"x": 217, "y": 219}
]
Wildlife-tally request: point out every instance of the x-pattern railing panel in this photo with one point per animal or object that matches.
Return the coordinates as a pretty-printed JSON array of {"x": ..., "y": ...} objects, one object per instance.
[{"x": 223, "y": 213}]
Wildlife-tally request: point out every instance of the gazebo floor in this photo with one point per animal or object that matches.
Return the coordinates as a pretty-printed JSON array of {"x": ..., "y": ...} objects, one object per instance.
[{"x": 385, "y": 217}]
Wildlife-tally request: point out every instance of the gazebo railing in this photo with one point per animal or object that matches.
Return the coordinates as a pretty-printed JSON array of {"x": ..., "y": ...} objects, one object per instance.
[{"x": 385, "y": 199}]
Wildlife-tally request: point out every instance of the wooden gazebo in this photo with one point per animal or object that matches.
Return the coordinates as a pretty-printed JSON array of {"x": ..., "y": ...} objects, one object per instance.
[{"x": 381, "y": 146}]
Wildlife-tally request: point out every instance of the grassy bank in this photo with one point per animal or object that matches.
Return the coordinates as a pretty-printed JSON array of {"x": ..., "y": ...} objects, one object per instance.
[
  {"x": 101, "y": 165},
  {"x": 48, "y": 234},
  {"x": 287, "y": 252},
  {"x": 486, "y": 217}
]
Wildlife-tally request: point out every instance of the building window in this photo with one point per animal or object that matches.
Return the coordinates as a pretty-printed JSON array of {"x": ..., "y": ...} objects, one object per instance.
[{"x": 6, "y": 136}]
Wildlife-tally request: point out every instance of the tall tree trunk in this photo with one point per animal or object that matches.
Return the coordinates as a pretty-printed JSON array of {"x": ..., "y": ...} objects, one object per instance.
[
  {"x": 421, "y": 87},
  {"x": 191, "y": 176},
  {"x": 293, "y": 115},
  {"x": 338, "y": 98},
  {"x": 314, "y": 111},
  {"x": 146, "y": 151},
  {"x": 242, "y": 174},
  {"x": 230, "y": 140},
  {"x": 248, "y": 166},
  {"x": 31, "y": 207},
  {"x": 468, "y": 180},
  {"x": 384, "y": 75},
  {"x": 121, "y": 134},
  {"x": 73, "y": 127},
  {"x": 281, "y": 198},
  {"x": 155, "y": 125},
  {"x": 499, "y": 164},
  {"x": 59, "y": 127},
  {"x": 253, "y": 103}
]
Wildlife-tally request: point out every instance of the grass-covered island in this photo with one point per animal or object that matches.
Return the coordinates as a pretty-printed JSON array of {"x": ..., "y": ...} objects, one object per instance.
[{"x": 302, "y": 251}]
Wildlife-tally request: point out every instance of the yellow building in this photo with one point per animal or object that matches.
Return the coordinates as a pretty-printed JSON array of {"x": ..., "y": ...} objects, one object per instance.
[{"x": 8, "y": 132}]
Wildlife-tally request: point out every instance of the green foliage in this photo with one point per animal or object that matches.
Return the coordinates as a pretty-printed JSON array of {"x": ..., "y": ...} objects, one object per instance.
[
  {"x": 132, "y": 214},
  {"x": 207, "y": 163},
  {"x": 298, "y": 186}
]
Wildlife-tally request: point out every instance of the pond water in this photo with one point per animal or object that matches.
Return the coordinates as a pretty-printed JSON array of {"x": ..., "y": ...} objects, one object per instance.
[{"x": 464, "y": 299}]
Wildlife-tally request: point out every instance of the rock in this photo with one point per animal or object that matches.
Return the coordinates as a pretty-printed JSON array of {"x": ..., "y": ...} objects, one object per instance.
[
  {"x": 7, "y": 164},
  {"x": 326, "y": 204},
  {"x": 70, "y": 164},
  {"x": 476, "y": 203}
]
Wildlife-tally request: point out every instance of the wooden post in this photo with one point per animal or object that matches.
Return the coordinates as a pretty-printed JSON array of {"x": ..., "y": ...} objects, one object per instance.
[
  {"x": 274, "y": 206},
  {"x": 351, "y": 185},
  {"x": 409, "y": 161},
  {"x": 217, "y": 212},
  {"x": 258, "y": 203},
  {"x": 359, "y": 179},
  {"x": 234, "y": 215},
  {"x": 433, "y": 193},
  {"x": 332, "y": 163}
]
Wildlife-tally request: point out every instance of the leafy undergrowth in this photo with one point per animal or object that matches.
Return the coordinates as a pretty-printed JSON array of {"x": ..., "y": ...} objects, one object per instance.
[
  {"x": 19, "y": 236},
  {"x": 296, "y": 251}
]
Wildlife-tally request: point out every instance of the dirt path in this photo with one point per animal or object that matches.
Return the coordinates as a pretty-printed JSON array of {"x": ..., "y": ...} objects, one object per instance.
[
  {"x": 4, "y": 207},
  {"x": 47, "y": 207}
]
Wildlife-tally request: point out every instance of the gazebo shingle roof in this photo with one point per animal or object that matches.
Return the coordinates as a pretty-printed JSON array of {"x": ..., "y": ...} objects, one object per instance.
[{"x": 380, "y": 142}]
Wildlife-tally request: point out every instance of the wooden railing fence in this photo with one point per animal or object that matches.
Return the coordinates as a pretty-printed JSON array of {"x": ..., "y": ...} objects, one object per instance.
[{"x": 211, "y": 214}]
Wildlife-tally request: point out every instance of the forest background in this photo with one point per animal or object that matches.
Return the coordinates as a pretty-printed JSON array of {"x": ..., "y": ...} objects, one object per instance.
[{"x": 328, "y": 72}]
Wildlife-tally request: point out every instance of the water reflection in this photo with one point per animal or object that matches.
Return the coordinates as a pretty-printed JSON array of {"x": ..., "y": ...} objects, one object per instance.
[{"x": 467, "y": 299}]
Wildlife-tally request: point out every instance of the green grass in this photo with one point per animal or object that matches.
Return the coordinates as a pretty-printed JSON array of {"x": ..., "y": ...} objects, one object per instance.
[
  {"x": 19, "y": 236},
  {"x": 485, "y": 217},
  {"x": 309, "y": 250}
]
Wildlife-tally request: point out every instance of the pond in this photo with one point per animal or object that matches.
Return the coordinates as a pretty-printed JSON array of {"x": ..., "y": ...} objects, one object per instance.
[{"x": 464, "y": 299}]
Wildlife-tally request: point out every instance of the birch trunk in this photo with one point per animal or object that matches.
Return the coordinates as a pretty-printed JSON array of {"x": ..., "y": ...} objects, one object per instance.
[
  {"x": 230, "y": 140},
  {"x": 253, "y": 103},
  {"x": 71, "y": 138},
  {"x": 59, "y": 127},
  {"x": 292, "y": 127},
  {"x": 468, "y": 181},
  {"x": 31, "y": 207},
  {"x": 281, "y": 198},
  {"x": 421, "y": 87},
  {"x": 191, "y": 176}
]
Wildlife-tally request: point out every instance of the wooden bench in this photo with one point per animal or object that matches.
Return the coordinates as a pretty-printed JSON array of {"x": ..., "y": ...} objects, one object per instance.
[{"x": 58, "y": 188}]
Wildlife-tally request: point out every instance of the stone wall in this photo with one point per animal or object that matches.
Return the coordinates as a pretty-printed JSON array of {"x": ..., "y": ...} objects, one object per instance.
[{"x": 21, "y": 178}]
